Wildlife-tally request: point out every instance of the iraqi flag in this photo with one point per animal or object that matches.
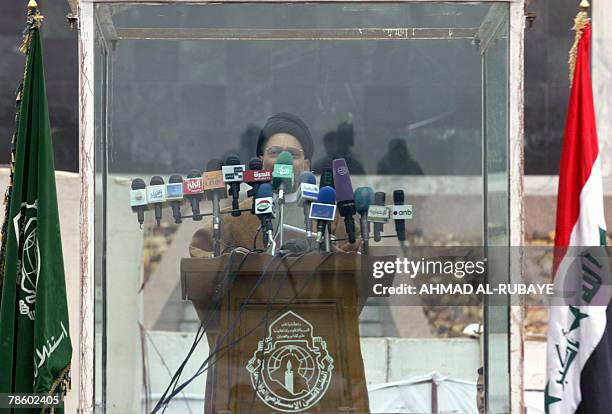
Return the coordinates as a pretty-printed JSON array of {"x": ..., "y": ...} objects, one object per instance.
[{"x": 579, "y": 351}]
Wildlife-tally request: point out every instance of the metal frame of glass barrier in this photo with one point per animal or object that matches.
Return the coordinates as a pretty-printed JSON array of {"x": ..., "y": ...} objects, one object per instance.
[{"x": 91, "y": 122}]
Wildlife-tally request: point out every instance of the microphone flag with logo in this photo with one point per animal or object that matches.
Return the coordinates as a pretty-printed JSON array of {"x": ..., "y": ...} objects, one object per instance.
[
  {"x": 233, "y": 175},
  {"x": 193, "y": 191},
  {"x": 35, "y": 344},
  {"x": 255, "y": 176},
  {"x": 345, "y": 197},
  {"x": 379, "y": 214},
  {"x": 156, "y": 195},
  {"x": 282, "y": 174},
  {"x": 174, "y": 194},
  {"x": 323, "y": 210},
  {"x": 138, "y": 198}
]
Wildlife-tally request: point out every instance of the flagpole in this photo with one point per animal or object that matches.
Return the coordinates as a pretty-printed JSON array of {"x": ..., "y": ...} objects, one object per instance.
[
  {"x": 580, "y": 22},
  {"x": 32, "y": 17}
]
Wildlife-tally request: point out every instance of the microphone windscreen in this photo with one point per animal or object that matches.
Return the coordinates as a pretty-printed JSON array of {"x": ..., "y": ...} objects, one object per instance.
[
  {"x": 175, "y": 179},
  {"x": 255, "y": 163},
  {"x": 308, "y": 178},
  {"x": 364, "y": 196},
  {"x": 138, "y": 184},
  {"x": 342, "y": 180},
  {"x": 232, "y": 159},
  {"x": 398, "y": 197},
  {"x": 214, "y": 165},
  {"x": 327, "y": 195},
  {"x": 379, "y": 198},
  {"x": 156, "y": 180},
  {"x": 327, "y": 178},
  {"x": 285, "y": 158},
  {"x": 194, "y": 174},
  {"x": 264, "y": 190}
]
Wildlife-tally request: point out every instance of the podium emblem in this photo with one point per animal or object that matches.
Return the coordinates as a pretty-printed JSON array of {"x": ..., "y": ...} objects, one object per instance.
[{"x": 291, "y": 368}]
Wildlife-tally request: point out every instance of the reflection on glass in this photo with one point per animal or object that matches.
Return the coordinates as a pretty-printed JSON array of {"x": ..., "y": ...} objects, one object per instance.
[{"x": 402, "y": 107}]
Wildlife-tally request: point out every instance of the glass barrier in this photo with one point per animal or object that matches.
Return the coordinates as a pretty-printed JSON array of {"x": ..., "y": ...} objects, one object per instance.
[{"x": 410, "y": 99}]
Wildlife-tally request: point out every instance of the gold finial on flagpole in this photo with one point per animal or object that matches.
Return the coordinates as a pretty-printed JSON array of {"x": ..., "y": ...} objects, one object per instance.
[
  {"x": 33, "y": 22},
  {"x": 580, "y": 22},
  {"x": 584, "y": 5}
]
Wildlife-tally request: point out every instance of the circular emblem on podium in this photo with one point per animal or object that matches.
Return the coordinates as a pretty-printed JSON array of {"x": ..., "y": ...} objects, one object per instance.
[{"x": 291, "y": 368}]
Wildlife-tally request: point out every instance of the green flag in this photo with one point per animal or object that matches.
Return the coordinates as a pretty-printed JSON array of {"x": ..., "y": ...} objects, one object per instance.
[{"x": 35, "y": 346}]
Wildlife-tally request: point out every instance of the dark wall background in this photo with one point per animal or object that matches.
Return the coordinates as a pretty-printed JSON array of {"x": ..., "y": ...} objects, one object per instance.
[
  {"x": 60, "y": 51},
  {"x": 546, "y": 82},
  {"x": 547, "y": 45}
]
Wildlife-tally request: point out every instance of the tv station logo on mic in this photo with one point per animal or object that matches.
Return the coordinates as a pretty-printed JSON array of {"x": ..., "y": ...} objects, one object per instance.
[
  {"x": 156, "y": 193},
  {"x": 174, "y": 191},
  {"x": 378, "y": 214},
  {"x": 138, "y": 197},
  {"x": 342, "y": 170},
  {"x": 213, "y": 180},
  {"x": 403, "y": 212},
  {"x": 263, "y": 205},
  {"x": 192, "y": 186},
  {"x": 283, "y": 171},
  {"x": 233, "y": 173},
  {"x": 252, "y": 176},
  {"x": 322, "y": 211}
]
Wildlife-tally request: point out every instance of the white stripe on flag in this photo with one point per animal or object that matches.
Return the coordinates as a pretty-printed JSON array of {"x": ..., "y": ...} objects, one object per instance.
[{"x": 569, "y": 349}]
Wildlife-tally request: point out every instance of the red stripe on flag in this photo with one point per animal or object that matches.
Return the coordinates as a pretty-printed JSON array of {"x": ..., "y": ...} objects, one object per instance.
[{"x": 579, "y": 149}]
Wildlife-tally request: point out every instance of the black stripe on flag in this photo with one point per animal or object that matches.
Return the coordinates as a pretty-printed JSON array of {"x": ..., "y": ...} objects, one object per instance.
[{"x": 596, "y": 377}]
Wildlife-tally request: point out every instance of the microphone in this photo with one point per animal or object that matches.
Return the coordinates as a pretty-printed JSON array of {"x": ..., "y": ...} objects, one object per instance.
[
  {"x": 400, "y": 213},
  {"x": 156, "y": 195},
  {"x": 327, "y": 178},
  {"x": 282, "y": 174},
  {"x": 378, "y": 213},
  {"x": 174, "y": 194},
  {"x": 344, "y": 193},
  {"x": 214, "y": 189},
  {"x": 138, "y": 198},
  {"x": 282, "y": 180},
  {"x": 233, "y": 175},
  {"x": 307, "y": 193},
  {"x": 379, "y": 200},
  {"x": 364, "y": 196},
  {"x": 212, "y": 180},
  {"x": 193, "y": 190},
  {"x": 254, "y": 176},
  {"x": 264, "y": 209},
  {"x": 324, "y": 211}
]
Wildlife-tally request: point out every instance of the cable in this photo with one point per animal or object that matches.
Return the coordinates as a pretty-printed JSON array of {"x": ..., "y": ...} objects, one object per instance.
[
  {"x": 197, "y": 339},
  {"x": 203, "y": 369},
  {"x": 200, "y": 332},
  {"x": 165, "y": 400},
  {"x": 256, "y": 235}
]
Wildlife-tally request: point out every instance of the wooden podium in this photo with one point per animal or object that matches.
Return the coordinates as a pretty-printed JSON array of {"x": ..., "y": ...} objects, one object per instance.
[{"x": 287, "y": 328}]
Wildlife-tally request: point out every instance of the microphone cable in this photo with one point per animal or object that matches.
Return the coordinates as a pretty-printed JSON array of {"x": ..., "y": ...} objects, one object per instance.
[
  {"x": 164, "y": 399},
  {"x": 203, "y": 368},
  {"x": 201, "y": 330}
]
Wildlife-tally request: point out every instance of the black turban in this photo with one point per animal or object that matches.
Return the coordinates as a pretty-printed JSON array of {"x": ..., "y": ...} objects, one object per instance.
[{"x": 289, "y": 124}]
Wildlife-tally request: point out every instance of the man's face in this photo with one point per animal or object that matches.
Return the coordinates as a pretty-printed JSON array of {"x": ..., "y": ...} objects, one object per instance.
[
  {"x": 278, "y": 143},
  {"x": 480, "y": 395}
]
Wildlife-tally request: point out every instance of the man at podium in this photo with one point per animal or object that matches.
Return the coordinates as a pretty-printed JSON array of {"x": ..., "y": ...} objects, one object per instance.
[
  {"x": 286, "y": 339},
  {"x": 282, "y": 132}
]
